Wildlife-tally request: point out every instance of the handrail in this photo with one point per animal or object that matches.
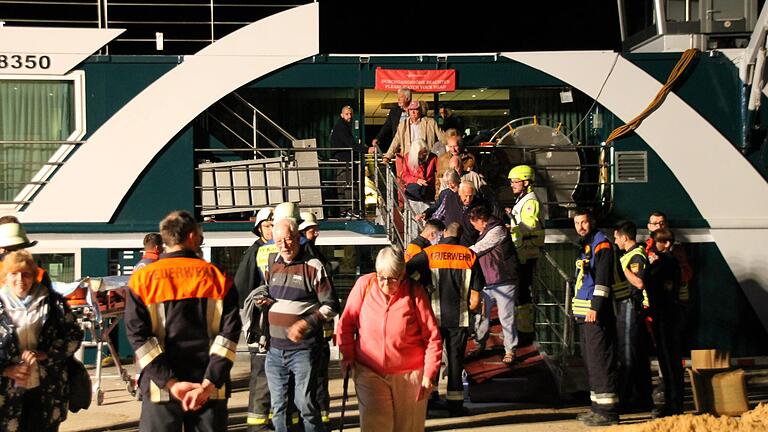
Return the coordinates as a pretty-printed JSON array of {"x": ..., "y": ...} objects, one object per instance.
[{"x": 265, "y": 117}]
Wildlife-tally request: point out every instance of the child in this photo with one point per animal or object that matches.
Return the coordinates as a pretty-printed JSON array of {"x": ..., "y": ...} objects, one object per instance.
[{"x": 663, "y": 285}]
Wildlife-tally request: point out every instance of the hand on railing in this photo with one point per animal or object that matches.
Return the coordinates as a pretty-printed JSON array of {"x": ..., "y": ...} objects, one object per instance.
[{"x": 384, "y": 160}]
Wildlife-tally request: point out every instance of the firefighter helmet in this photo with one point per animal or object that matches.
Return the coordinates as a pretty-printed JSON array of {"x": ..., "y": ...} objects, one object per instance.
[
  {"x": 287, "y": 210},
  {"x": 309, "y": 220},
  {"x": 262, "y": 215}
]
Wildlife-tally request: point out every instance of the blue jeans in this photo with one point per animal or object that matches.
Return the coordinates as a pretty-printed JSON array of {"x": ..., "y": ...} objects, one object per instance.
[
  {"x": 301, "y": 363},
  {"x": 505, "y": 297}
]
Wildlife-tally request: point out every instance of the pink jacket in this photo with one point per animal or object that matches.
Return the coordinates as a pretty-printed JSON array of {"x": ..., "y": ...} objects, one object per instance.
[{"x": 393, "y": 336}]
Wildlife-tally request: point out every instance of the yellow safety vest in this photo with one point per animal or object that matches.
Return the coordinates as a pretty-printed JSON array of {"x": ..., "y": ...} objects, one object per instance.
[
  {"x": 621, "y": 287},
  {"x": 527, "y": 231}
]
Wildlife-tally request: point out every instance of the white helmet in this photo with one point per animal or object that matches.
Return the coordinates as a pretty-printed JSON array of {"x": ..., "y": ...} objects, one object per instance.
[
  {"x": 264, "y": 214},
  {"x": 287, "y": 210},
  {"x": 309, "y": 221}
]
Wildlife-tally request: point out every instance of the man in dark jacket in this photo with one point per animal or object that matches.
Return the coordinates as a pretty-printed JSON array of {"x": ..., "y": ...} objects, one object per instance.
[
  {"x": 452, "y": 273},
  {"x": 394, "y": 117},
  {"x": 498, "y": 259},
  {"x": 186, "y": 364},
  {"x": 342, "y": 137}
]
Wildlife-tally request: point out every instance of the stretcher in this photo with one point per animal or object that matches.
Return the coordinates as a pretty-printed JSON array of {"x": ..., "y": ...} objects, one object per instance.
[{"x": 99, "y": 304}]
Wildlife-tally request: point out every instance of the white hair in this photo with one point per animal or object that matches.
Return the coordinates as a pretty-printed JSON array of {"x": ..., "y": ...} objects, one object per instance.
[
  {"x": 413, "y": 153},
  {"x": 451, "y": 177},
  {"x": 405, "y": 92},
  {"x": 390, "y": 262}
]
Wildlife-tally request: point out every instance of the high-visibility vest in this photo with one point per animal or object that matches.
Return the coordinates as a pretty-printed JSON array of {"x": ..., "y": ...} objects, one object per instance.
[
  {"x": 262, "y": 257},
  {"x": 585, "y": 274},
  {"x": 621, "y": 286},
  {"x": 527, "y": 231}
]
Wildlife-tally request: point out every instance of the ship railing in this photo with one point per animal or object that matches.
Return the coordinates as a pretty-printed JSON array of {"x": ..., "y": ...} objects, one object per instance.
[
  {"x": 152, "y": 27},
  {"x": 301, "y": 175}
]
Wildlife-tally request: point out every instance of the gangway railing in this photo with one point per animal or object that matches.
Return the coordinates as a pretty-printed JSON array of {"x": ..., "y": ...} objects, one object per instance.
[
  {"x": 552, "y": 297},
  {"x": 245, "y": 126}
]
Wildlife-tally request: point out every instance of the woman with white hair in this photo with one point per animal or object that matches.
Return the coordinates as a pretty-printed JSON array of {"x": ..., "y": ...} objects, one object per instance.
[
  {"x": 389, "y": 339},
  {"x": 38, "y": 335},
  {"x": 419, "y": 175}
]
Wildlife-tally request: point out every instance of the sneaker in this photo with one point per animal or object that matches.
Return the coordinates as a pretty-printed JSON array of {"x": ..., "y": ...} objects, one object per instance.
[
  {"x": 602, "y": 420},
  {"x": 461, "y": 411},
  {"x": 585, "y": 416},
  {"x": 107, "y": 361}
]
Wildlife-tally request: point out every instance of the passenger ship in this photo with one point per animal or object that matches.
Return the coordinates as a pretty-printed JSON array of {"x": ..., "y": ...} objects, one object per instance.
[{"x": 115, "y": 113}]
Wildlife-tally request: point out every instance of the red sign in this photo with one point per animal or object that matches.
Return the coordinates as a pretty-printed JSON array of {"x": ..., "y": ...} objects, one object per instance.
[{"x": 425, "y": 81}]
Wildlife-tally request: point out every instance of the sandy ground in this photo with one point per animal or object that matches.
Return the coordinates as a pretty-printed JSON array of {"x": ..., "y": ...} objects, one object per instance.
[{"x": 755, "y": 420}]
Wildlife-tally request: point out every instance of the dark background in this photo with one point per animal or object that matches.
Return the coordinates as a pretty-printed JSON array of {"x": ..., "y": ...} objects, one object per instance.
[{"x": 467, "y": 26}]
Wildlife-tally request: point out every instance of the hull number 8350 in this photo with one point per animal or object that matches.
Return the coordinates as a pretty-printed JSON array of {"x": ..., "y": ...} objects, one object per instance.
[{"x": 16, "y": 61}]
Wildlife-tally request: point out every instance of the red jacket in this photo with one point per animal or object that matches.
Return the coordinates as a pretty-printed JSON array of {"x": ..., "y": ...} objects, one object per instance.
[
  {"x": 425, "y": 171},
  {"x": 393, "y": 337}
]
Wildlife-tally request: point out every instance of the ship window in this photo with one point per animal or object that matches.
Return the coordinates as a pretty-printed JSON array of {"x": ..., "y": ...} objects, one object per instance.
[
  {"x": 38, "y": 114},
  {"x": 60, "y": 266},
  {"x": 631, "y": 167}
]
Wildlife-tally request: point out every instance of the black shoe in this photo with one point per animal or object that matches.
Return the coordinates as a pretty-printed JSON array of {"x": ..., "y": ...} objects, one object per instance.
[
  {"x": 437, "y": 405},
  {"x": 461, "y": 411},
  {"x": 585, "y": 416},
  {"x": 602, "y": 420}
]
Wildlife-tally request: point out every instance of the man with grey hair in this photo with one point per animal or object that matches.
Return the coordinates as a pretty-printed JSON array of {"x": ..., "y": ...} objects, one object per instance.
[
  {"x": 394, "y": 117},
  {"x": 302, "y": 298},
  {"x": 450, "y": 181}
]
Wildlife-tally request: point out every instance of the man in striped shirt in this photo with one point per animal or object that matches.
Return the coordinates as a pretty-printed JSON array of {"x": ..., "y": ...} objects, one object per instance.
[{"x": 303, "y": 299}]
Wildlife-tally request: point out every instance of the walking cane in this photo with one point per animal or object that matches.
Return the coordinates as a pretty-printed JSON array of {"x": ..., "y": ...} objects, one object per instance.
[{"x": 344, "y": 397}]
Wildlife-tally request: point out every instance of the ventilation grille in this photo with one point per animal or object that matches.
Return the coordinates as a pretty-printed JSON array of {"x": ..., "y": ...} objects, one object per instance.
[{"x": 631, "y": 167}]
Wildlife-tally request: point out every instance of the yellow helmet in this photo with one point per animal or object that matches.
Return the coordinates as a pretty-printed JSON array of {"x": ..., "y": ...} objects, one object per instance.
[{"x": 521, "y": 172}]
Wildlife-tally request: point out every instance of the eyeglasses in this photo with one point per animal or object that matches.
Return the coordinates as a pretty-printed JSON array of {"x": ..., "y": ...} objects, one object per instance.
[{"x": 388, "y": 280}]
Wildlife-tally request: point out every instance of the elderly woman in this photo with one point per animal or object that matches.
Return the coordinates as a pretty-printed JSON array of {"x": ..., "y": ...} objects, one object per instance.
[
  {"x": 419, "y": 175},
  {"x": 38, "y": 334},
  {"x": 389, "y": 337}
]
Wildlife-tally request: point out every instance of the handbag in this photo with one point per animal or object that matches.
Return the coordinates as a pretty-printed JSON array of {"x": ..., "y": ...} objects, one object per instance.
[{"x": 79, "y": 385}]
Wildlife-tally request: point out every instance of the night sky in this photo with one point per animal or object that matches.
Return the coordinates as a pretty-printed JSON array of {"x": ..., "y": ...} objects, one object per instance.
[{"x": 474, "y": 26}]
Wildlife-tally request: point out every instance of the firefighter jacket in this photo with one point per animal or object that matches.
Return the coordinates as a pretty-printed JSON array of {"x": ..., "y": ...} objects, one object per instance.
[
  {"x": 182, "y": 320},
  {"x": 527, "y": 229},
  {"x": 247, "y": 276},
  {"x": 594, "y": 269},
  {"x": 453, "y": 271},
  {"x": 414, "y": 247},
  {"x": 636, "y": 261}
]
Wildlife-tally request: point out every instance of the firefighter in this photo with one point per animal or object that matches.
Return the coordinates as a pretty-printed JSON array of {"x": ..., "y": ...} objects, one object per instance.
[
  {"x": 430, "y": 235},
  {"x": 633, "y": 342},
  {"x": 185, "y": 376},
  {"x": 527, "y": 231},
  {"x": 247, "y": 279},
  {"x": 593, "y": 312},
  {"x": 453, "y": 273}
]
